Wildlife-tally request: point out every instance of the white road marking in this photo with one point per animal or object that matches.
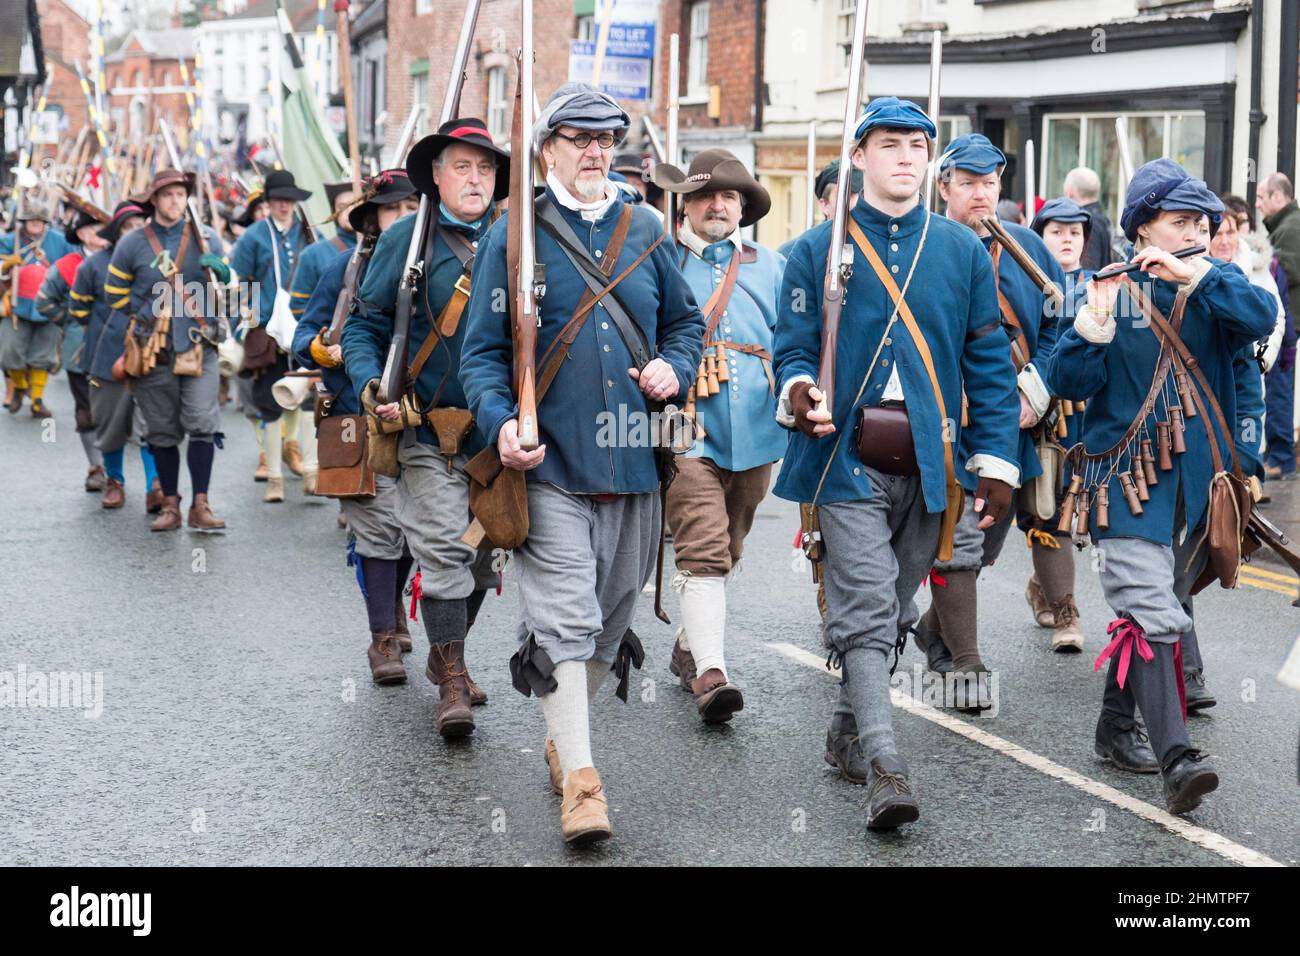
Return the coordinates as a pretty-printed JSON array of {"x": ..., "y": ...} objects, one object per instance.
[{"x": 1206, "y": 839}]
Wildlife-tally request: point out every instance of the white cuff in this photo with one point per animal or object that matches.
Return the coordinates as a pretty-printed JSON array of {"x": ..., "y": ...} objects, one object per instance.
[
  {"x": 990, "y": 466},
  {"x": 1200, "y": 269},
  {"x": 784, "y": 413},
  {"x": 1091, "y": 330},
  {"x": 1031, "y": 386}
]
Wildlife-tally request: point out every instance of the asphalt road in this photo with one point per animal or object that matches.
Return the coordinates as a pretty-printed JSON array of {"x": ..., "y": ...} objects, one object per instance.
[{"x": 239, "y": 724}]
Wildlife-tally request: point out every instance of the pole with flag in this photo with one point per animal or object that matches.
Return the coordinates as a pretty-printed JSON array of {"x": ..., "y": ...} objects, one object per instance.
[{"x": 341, "y": 30}]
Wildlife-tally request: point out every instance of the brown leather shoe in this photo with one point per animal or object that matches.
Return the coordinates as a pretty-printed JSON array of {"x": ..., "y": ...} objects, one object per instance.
[
  {"x": 1038, "y": 602},
  {"x": 584, "y": 813},
  {"x": 477, "y": 695},
  {"x": 553, "y": 767},
  {"x": 201, "y": 516},
  {"x": 39, "y": 409},
  {"x": 95, "y": 479},
  {"x": 114, "y": 495},
  {"x": 385, "y": 659},
  {"x": 309, "y": 483},
  {"x": 401, "y": 630},
  {"x": 446, "y": 668},
  {"x": 169, "y": 519},
  {"x": 293, "y": 457},
  {"x": 715, "y": 699},
  {"x": 15, "y": 402},
  {"x": 1067, "y": 635},
  {"x": 153, "y": 501},
  {"x": 262, "y": 472},
  {"x": 682, "y": 664},
  {"x": 274, "y": 490}
]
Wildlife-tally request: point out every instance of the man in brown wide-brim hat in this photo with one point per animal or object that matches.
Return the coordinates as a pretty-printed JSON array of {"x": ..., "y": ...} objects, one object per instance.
[
  {"x": 721, "y": 481},
  {"x": 177, "y": 397}
]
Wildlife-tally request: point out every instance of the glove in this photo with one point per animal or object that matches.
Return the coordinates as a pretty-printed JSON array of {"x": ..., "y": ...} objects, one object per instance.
[
  {"x": 210, "y": 260},
  {"x": 801, "y": 404},
  {"x": 320, "y": 352},
  {"x": 370, "y": 396},
  {"x": 997, "y": 498}
]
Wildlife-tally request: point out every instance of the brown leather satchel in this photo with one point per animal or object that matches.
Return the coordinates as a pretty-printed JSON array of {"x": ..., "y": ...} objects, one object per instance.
[
  {"x": 451, "y": 425},
  {"x": 344, "y": 471},
  {"x": 260, "y": 350},
  {"x": 130, "y": 364},
  {"x": 190, "y": 362},
  {"x": 884, "y": 439}
]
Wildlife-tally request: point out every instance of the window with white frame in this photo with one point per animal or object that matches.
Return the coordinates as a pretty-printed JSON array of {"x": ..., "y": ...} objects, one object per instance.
[
  {"x": 1093, "y": 140},
  {"x": 845, "y": 13},
  {"x": 697, "y": 56},
  {"x": 496, "y": 104},
  {"x": 420, "y": 97},
  {"x": 586, "y": 29},
  {"x": 423, "y": 6}
]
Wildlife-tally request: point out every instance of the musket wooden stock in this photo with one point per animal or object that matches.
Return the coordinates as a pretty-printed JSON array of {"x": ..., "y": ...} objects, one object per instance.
[
  {"x": 520, "y": 240},
  {"x": 1030, "y": 267}
]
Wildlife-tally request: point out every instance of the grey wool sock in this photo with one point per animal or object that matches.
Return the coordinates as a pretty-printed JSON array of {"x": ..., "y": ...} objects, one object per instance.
[
  {"x": 866, "y": 686},
  {"x": 444, "y": 619},
  {"x": 1055, "y": 570}
]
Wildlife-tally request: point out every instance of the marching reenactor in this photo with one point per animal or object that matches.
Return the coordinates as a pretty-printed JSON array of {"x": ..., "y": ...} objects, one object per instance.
[
  {"x": 462, "y": 173},
  {"x": 970, "y": 178},
  {"x": 377, "y": 546},
  {"x": 173, "y": 338},
  {"x": 875, "y": 472},
  {"x": 593, "y": 502},
  {"x": 266, "y": 258},
  {"x": 112, "y": 409},
  {"x": 322, "y": 253},
  {"x": 1153, "y": 358},
  {"x": 29, "y": 344},
  {"x": 721, "y": 482},
  {"x": 54, "y": 302}
]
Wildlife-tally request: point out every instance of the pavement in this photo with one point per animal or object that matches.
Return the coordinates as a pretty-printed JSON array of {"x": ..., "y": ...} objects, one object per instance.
[{"x": 239, "y": 724}]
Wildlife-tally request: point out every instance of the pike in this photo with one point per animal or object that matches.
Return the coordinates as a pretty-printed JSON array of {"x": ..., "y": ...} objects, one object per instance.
[
  {"x": 192, "y": 221},
  {"x": 839, "y": 261},
  {"x": 936, "y": 66},
  {"x": 365, "y": 246},
  {"x": 670, "y": 153},
  {"x": 1031, "y": 193},
  {"x": 811, "y": 174},
  {"x": 652, "y": 134},
  {"x": 349, "y": 97},
  {"x": 392, "y": 384},
  {"x": 521, "y": 248}
]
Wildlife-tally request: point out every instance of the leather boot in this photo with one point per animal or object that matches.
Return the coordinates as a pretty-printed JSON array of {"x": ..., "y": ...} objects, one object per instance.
[
  {"x": 10, "y": 388},
  {"x": 274, "y": 490},
  {"x": 844, "y": 754},
  {"x": 553, "y": 771},
  {"x": 682, "y": 663},
  {"x": 153, "y": 501},
  {"x": 929, "y": 639},
  {"x": 169, "y": 519},
  {"x": 584, "y": 812},
  {"x": 446, "y": 668},
  {"x": 95, "y": 479},
  {"x": 385, "y": 659},
  {"x": 1038, "y": 602},
  {"x": 39, "y": 408},
  {"x": 15, "y": 401},
  {"x": 262, "y": 472},
  {"x": 293, "y": 457},
  {"x": 1187, "y": 780},
  {"x": 401, "y": 630},
  {"x": 1127, "y": 749},
  {"x": 715, "y": 699},
  {"x": 477, "y": 695},
  {"x": 309, "y": 483},
  {"x": 201, "y": 516},
  {"x": 889, "y": 801},
  {"x": 1067, "y": 636},
  {"x": 1198, "y": 695},
  {"x": 114, "y": 494}
]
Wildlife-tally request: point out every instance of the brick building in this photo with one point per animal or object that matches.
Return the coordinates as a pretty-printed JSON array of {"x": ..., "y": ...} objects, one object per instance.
[
  {"x": 66, "y": 38},
  {"x": 144, "y": 75}
]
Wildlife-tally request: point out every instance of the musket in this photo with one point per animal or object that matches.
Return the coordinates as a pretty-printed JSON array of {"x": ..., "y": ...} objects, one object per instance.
[
  {"x": 670, "y": 153},
  {"x": 521, "y": 250},
  {"x": 364, "y": 248},
  {"x": 839, "y": 262},
  {"x": 191, "y": 214},
  {"x": 1031, "y": 193},
  {"x": 1030, "y": 267},
  {"x": 1277, "y": 541},
  {"x": 393, "y": 381},
  {"x": 936, "y": 67},
  {"x": 811, "y": 174},
  {"x": 652, "y": 134}
]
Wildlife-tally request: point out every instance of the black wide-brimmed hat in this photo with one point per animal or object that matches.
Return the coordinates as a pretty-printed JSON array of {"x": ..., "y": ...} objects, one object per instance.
[
  {"x": 127, "y": 208},
  {"x": 471, "y": 132},
  {"x": 383, "y": 189},
  {"x": 80, "y": 221},
  {"x": 280, "y": 185},
  {"x": 713, "y": 171},
  {"x": 244, "y": 214},
  {"x": 334, "y": 190}
]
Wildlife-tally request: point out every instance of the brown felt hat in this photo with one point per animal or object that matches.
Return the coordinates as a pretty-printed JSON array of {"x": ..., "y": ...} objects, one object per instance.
[
  {"x": 713, "y": 171},
  {"x": 167, "y": 177}
]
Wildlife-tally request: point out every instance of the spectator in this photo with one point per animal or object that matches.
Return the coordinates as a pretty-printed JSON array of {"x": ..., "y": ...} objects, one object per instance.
[
  {"x": 1009, "y": 211},
  {"x": 1082, "y": 186},
  {"x": 1277, "y": 206}
]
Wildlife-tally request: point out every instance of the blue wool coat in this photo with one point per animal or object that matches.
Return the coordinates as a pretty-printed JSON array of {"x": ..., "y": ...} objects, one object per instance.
[
  {"x": 955, "y": 304},
  {"x": 739, "y": 422},
  {"x": 367, "y": 334},
  {"x": 105, "y": 329},
  {"x": 593, "y": 386},
  {"x": 316, "y": 259},
  {"x": 1225, "y": 314},
  {"x": 251, "y": 259},
  {"x": 134, "y": 278},
  {"x": 318, "y": 315},
  {"x": 1038, "y": 321},
  {"x": 55, "y": 304}
]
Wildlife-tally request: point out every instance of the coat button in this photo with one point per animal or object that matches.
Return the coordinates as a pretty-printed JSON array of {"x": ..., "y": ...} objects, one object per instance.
[
  {"x": 609, "y": 383},
  {"x": 597, "y": 253},
  {"x": 893, "y": 268},
  {"x": 604, "y": 325},
  {"x": 893, "y": 227},
  {"x": 606, "y": 348},
  {"x": 889, "y": 341},
  {"x": 857, "y": 471},
  {"x": 893, "y": 247},
  {"x": 883, "y": 361}
]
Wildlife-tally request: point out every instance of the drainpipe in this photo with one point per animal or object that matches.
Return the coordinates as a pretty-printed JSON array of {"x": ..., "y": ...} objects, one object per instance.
[
  {"x": 758, "y": 66},
  {"x": 1286, "y": 89},
  {"x": 1257, "y": 115}
]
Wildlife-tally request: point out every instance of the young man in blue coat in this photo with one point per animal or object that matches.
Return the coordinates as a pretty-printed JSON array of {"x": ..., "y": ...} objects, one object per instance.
[
  {"x": 322, "y": 253},
  {"x": 880, "y": 523},
  {"x": 970, "y": 179},
  {"x": 721, "y": 482},
  {"x": 462, "y": 174},
  {"x": 593, "y": 499},
  {"x": 1151, "y": 549},
  {"x": 377, "y": 545}
]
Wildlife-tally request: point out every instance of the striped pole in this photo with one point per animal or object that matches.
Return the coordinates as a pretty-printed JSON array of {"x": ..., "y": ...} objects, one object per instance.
[{"x": 25, "y": 157}]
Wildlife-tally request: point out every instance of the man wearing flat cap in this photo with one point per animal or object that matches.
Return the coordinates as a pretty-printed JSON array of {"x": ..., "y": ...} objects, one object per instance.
[
  {"x": 593, "y": 498},
  {"x": 462, "y": 174},
  {"x": 970, "y": 181},
  {"x": 1154, "y": 541},
  {"x": 376, "y": 543},
  {"x": 147, "y": 267},
  {"x": 920, "y": 323},
  {"x": 721, "y": 481},
  {"x": 267, "y": 258}
]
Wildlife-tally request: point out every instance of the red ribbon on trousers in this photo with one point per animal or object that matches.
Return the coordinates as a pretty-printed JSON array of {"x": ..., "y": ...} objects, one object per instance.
[
  {"x": 1127, "y": 635},
  {"x": 416, "y": 593}
]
